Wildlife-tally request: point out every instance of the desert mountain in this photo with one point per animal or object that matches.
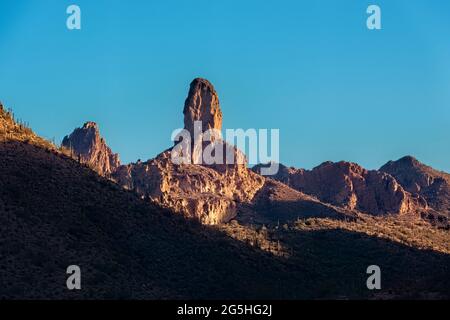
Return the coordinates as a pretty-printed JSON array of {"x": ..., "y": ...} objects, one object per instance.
[
  {"x": 215, "y": 193},
  {"x": 210, "y": 193},
  {"x": 55, "y": 211},
  {"x": 89, "y": 147},
  {"x": 350, "y": 186},
  {"x": 420, "y": 179}
]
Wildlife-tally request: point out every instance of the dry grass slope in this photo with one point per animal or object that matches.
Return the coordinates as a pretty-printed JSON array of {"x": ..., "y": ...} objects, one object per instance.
[{"x": 10, "y": 129}]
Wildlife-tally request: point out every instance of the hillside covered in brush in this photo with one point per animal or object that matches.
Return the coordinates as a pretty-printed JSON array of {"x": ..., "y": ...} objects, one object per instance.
[
  {"x": 10, "y": 129},
  {"x": 57, "y": 211}
]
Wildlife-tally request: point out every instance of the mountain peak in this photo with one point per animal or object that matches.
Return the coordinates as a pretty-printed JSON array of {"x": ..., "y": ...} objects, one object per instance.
[
  {"x": 90, "y": 124},
  {"x": 203, "y": 81},
  {"x": 421, "y": 179},
  {"x": 405, "y": 163},
  {"x": 349, "y": 185},
  {"x": 202, "y": 104},
  {"x": 87, "y": 144},
  {"x": 210, "y": 192},
  {"x": 409, "y": 161}
]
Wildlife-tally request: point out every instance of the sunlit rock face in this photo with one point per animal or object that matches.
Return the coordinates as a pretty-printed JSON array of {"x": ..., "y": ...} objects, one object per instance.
[
  {"x": 350, "y": 186},
  {"x": 202, "y": 105},
  {"x": 207, "y": 186},
  {"x": 89, "y": 147},
  {"x": 426, "y": 182},
  {"x": 208, "y": 192}
]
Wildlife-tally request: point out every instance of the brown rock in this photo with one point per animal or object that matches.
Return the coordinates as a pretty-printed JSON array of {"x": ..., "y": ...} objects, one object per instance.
[
  {"x": 202, "y": 104},
  {"x": 196, "y": 191},
  {"x": 277, "y": 203},
  {"x": 89, "y": 147},
  {"x": 350, "y": 186},
  {"x": 210, "y": 193},
  {"x": 426, "y": 182}
]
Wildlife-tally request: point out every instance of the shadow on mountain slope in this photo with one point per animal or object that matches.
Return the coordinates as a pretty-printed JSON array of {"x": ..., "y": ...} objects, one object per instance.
[
  {"x": 55, "y": 212},
  {"x": 276, "y": 202},
  {"x": 341, "y": 258}
]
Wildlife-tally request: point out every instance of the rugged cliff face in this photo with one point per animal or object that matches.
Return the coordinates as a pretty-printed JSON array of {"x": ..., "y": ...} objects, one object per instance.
[
  {"x": 215, "y": 192},
  {"x": 195, "y": 191},
  {"x": 202, "y": 104},
  {"x": 89, "y": 147},
  {"x": 210, "y": 193},
  {"x": 350, "y": 186},
  {"x": 422, "y": 180}
]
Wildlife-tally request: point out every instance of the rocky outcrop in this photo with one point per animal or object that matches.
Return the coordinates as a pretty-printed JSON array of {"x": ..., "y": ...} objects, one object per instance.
[
  {"x": 89, "y": 147},
  {"x": 424, "y": 181},
  {"x": 352, "y": 187},
  {"x": 196, "y": 191},
  {"x": 202, "y": 104},
  {"x": 215, "y": 191},
  {"x": 209, "y": 192},
  {"x": 414, "y": 175}
]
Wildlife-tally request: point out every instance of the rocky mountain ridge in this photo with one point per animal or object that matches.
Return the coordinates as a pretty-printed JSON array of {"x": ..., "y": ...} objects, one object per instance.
[
  {"x": 426, "y": 182},
  {"x": 351, "y": 186},
  {"x": 282, "y": 243},
  {"x": 215, "y": 193},
  {"x": 210, "y": 193}
]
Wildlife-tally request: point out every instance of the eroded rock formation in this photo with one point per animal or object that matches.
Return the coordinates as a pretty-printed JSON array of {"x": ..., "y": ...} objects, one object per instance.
[
  {"x": 428, "y": 183},
  {"x": 351, "y": 186},
  {"x": 202, "y": 104},
  {"x": 210, "y": 193},
  {"x": 215, "y": 192},
  {"x": 89, "y": 147}
]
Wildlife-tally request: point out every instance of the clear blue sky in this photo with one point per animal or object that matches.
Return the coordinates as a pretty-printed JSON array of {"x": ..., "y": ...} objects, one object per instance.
[{"x": 336, "y": 90}]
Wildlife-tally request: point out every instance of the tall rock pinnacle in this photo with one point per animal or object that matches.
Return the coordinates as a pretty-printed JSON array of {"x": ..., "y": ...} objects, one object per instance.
[
  {"x": 210, "y": 193},
  {"x": 202, "y": 104}
]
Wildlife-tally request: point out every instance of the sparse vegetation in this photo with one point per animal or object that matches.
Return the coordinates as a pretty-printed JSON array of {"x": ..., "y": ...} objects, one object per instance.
[
  {"x": 257, "y": 236},
  {"x": 55, "y": 211},
  {"x": 12, "y": 129},
  {"x": 408, "y": 251},
  {"x": 415, "y": 233}
]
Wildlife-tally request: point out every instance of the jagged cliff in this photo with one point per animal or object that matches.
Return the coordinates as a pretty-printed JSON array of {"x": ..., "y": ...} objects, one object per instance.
[
  {"x": 210, "y": 193},
  {"x": 351, "y": 186},
  {"x": 89, "y": 147},
  {"x": 426, "y": 182},
  {"x": 215, "y": 192}
]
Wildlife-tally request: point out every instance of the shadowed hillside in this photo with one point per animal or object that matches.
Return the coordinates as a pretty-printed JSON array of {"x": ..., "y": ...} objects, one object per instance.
[{"x": 55, "y": 212}]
